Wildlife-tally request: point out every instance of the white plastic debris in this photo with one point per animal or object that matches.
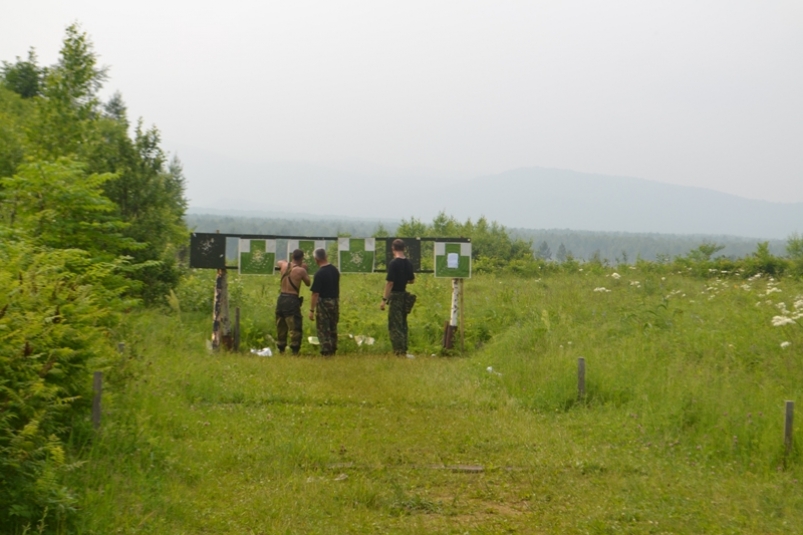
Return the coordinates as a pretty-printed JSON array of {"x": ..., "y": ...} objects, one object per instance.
[
  {"x": 314, "y": 340},
  {"x": 264, "y": 352},
  {"x": 410, "y": 356},
  {"x": 362, "y": 339}
]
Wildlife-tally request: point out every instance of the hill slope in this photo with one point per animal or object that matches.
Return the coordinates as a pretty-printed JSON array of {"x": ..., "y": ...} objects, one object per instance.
[{"x": 554, "y": 198}]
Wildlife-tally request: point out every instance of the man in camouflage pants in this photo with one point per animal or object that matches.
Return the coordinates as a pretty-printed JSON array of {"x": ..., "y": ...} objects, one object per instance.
[
  {"x": 400, "y": 274},
  {"x": 325, "y": 302},
  {"x": 288, "y": 306}
]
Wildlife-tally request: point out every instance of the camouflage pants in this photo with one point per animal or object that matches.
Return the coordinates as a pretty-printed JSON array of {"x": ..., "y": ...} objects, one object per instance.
[
  {"x": 288, "y": 320},
  {"x": 397, "y": 322},
  {"x": 326, "y": 317}
]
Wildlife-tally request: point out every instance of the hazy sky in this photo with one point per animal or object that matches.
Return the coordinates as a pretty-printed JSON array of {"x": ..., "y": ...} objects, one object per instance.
[{"x": 688, "y": 92}]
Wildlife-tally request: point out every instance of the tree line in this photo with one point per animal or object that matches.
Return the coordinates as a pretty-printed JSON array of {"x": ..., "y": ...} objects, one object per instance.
[
  {"x": 91, "y": 216},
  {"x": 528, "y": 251}
]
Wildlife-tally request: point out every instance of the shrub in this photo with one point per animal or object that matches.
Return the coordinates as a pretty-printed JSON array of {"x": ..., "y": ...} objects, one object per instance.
[{"x": 55, "y": 314}]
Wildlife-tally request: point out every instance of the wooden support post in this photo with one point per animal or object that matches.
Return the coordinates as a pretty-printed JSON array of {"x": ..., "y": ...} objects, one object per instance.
[
  {"x": 462, "y": 313},
  {"x": 237, "y": 329},
  {"x": 787, "y": 432},
  {"x": 221, "y": 326},
  {"x": 451, "y": 325},
  {"x": 97, "y": 387},
  {"x": 581, "y": 377}
]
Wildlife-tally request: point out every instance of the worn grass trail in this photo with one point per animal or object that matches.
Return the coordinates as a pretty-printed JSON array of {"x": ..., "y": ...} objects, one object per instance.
[{"x": 375, "y": 444}]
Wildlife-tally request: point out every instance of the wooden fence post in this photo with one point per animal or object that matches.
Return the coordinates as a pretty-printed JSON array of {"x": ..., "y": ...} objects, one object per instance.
[
  {"x": 97, "y": 386},
  {"x": 581, "y": 377},
  {"x": 221, "y": 326},
  {"x": 787, "y": 432}
]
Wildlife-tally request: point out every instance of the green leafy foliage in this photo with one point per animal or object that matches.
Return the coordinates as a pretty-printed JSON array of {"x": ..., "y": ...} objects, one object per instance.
[
  {"x": 61, "y": 206},
  {"x": 61, "y": 122},
  {"x": 24, "y": 77},
  {"x": 56, "y": 310}
]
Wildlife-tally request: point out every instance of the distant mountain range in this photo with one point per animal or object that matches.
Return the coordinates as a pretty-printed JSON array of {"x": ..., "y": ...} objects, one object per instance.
[
  {"x": 533, "y": 198},
  {"x": 552, "y": 198}
]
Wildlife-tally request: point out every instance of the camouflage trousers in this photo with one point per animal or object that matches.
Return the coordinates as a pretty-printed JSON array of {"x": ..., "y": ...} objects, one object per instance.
[
  {"x": 288, "y": 321},
  {"x": 397, "y": 322},
  {"x": 326, "y": 317}
]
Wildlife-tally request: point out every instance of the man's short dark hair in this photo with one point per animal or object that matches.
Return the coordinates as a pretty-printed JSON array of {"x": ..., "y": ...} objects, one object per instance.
[
  {"x": 298, "y": 255},
  {"x": 398, "y": 245}
]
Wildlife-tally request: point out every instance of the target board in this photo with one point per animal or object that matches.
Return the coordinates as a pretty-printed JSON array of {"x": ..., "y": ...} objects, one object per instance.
[
  {"x": 308, "y": 246},
  {"x": 257, "y": 257},
  {"x": 356, "y": 255},
  {"x": 453, "y": 260}
]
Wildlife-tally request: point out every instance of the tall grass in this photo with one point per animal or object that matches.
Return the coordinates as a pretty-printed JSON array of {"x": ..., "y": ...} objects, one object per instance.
[{"x": 680, "y": 430}]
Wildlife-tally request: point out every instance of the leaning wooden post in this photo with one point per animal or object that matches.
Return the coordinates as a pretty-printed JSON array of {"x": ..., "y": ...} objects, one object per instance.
[
  {"x": 787, "y": 432},
  {"x": 581, "y": 377},
  {"x": 97, "y": 386},
  {"x": 221, "y": 326}
]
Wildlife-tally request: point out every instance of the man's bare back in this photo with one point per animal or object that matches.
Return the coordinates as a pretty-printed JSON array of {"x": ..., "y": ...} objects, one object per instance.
[{"x": 298, "y": 274}]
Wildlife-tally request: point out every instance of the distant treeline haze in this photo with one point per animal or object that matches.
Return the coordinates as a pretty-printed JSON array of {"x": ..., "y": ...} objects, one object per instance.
[{"x": 549, "y": 244}]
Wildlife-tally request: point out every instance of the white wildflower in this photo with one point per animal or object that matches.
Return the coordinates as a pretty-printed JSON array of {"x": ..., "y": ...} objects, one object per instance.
[
  {"x": 663, "y": 278},
  {"x": 772, "y": 290},
  {"x": 745, "y": 287},
  {"x": 635, "y": 283},
  {"x": 798, "y": 304},
  {"x": 601, "y": 289},
  {"x": 784, "y": 345},
  {"x": 778, "y": 321},
  {"x": 615, "y": 276}
]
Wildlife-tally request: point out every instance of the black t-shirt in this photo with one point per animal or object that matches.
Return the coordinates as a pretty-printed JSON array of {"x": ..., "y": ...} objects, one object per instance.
[
  {"x": 400, "y": 271},
  {"x": 326, "y": 282}
]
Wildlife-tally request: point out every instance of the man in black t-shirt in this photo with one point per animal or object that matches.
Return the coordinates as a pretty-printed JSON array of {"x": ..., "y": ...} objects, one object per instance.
[
  {"x": 325, "y": 302},
  {"x": 400, "y": 274}
]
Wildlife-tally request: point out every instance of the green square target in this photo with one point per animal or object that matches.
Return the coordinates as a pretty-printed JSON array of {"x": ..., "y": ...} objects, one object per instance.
[
  {"x": 356, "y": 255},
  {"x": 257, "y": 257},
  {"x": 308, "y": 246},
  {"x": 453, "y": 260}
]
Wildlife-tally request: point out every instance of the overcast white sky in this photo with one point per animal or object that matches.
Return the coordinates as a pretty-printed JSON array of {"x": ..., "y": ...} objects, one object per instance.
[{"x": 703, "y": 93}]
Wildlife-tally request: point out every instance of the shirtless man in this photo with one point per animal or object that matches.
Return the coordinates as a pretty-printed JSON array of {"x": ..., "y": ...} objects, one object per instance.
[{"x": 288, "y": 306}]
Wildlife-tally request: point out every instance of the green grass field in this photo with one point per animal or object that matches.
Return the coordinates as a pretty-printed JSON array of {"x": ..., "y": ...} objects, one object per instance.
[{"x": 681, "y": 430}]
